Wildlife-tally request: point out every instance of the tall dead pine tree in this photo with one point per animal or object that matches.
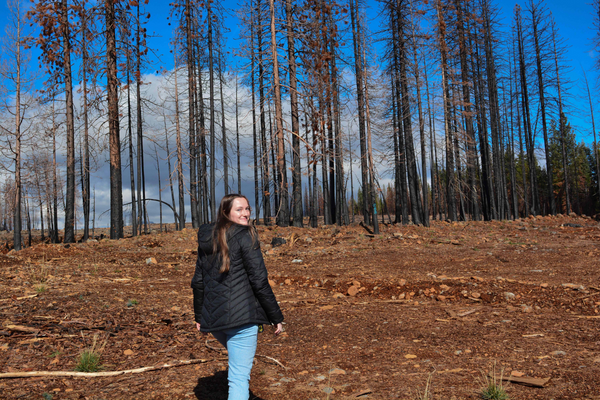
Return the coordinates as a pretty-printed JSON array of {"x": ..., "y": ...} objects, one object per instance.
[
  {"x": 537, "y": 19},
  {"x": 466, "y": 105},
  {"x": 116, "y": 193},
  {"x": 358, "y": 72},
  {"x": 450, "y": 173},
  {"x": 296, "y": 173},
  {"x": 282, "y": 209},
  {"x": 528, "y": 131}
]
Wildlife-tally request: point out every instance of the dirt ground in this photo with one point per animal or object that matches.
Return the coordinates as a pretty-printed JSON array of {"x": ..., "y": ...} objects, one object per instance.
[{"x": 366, "y": 316}]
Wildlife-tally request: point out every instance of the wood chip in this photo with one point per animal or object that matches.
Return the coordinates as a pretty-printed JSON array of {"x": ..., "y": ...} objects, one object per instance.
[
  {"x": 20, "y": 328},
  {"x": 34, "y": 340},
  {"x": 464, "y": 314},
  {"x": 526, "y": 381}
]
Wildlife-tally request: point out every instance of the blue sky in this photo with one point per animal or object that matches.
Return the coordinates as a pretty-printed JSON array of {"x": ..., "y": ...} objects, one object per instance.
[{"x": 573, "y": 18}]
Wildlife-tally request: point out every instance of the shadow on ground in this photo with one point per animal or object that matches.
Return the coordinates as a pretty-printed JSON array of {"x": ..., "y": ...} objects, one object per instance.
[{"x": 215, "y": 387}]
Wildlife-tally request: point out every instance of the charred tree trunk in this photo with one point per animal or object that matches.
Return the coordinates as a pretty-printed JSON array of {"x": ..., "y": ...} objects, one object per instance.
[
  {"x": 513, "y": 171},
  {"x": 398, "y": 189},
  {"x": 55, "y": 238},
  {"x": 223, "y": 130},
  {"x": 406, "y": 120},
  {"x": 191, "y": 88},
  {"x": 450, "y": 175},
  {"x": 85, "y": 173},
  {"x": 237, "y": 140},
  {"x": 116, "y": 194},
  {"x": 255, "y": 142},
  {"x": 283, "y": 218},
  {"x": 435, "y": 201},
  {"x": 487, "y": 193},
  {"x": 179, "y": 145},
  {"x": 535, "y": 21},
  {"x": 134, "y": 217},
  {"x": 211, "y": 83},
  {"x": 263, "y": 129},
  {"x": 142, "y": 211},
  {"x": 467, "y": 115},
  {"x": 422, "y": 140},
  {"x": 562, "y": 129},
  {"x": 68, "y": 80},
  {"x": 358, "y": 70},
  {"x": 170, "y": 172},
  {"x": 296, "y": 172},
  {"x": 526, "y": 117},
  {"x": 400, "y": 167}
]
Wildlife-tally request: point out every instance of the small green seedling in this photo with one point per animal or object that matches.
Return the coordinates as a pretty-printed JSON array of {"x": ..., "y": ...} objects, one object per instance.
[
  {"x": 40, "y": 288},
  {"x": 55, "y": 354},
  {"x": 132, "y": 302},
  {"x": 89, "y": 359}
]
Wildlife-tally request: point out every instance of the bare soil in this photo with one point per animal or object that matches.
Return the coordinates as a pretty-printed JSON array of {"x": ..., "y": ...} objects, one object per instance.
[{"x": 367, "y": 316}]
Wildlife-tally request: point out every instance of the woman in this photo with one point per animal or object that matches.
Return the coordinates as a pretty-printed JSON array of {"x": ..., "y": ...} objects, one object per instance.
[{"x": 232, "y": 295}]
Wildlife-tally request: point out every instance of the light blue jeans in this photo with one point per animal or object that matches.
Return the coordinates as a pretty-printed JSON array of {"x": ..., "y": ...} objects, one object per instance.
[{"x": 240, "y": 343}]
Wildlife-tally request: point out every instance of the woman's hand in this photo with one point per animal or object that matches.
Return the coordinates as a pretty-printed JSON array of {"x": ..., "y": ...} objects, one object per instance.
[
  {"x": 278, "y": 329},
  {"x": 198, "y": 327}
]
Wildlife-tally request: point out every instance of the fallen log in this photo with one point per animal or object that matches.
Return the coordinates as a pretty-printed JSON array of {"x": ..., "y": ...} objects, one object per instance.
[
  {"x": 31, "y": 296},
  {"x": 367, "y": 229},
  {"x": 76, "y": 374}
]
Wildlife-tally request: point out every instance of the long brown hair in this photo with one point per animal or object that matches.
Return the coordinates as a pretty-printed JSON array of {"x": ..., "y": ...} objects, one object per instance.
[{"x": 223, "y": 224}]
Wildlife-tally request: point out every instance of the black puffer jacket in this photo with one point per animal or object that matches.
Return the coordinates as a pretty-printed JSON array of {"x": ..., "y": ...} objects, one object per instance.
[{"x": 238, "y": 297}]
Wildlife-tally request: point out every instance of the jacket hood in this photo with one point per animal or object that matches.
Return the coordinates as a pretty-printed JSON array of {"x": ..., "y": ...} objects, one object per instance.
[{"x": 205, "y": 235}]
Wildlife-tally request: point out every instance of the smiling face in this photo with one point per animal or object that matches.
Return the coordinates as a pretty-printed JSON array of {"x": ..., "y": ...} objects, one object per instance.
[{"x": 240, "y": 211}]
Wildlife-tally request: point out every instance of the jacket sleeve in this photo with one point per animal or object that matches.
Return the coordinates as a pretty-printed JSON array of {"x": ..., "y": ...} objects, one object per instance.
[
  {"x": 198, "y": 288},
  {"x": 258, "y": 276}
]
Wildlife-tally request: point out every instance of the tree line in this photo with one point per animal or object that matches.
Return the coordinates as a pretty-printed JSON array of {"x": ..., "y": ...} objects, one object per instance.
[{"x": 430, "y": 110}]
